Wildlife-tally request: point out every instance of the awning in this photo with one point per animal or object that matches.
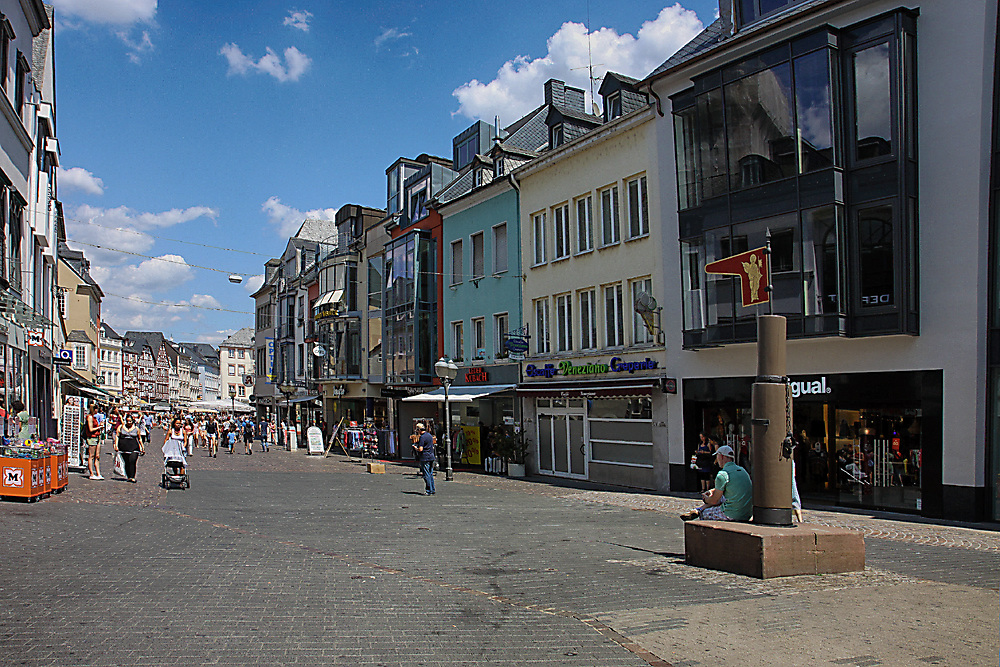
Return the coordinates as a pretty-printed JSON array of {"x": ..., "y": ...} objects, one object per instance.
[
  {"x": 303, "y": 399},
  {"x": 460, "y": 394},
  {"x": 329, "y": 297},
  {"x": 326, "y": 305},
  {"x": 618, "y": 388}
]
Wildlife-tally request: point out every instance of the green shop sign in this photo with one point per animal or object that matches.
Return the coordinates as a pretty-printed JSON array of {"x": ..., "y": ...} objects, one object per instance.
[{"x": 567, "y": 368}]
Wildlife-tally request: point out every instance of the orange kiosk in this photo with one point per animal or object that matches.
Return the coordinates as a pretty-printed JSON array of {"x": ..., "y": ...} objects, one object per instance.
[{"x": 26, "y": 471}]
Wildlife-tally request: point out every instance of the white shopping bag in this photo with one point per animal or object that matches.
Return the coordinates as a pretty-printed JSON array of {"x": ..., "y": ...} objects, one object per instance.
[{"x": 119, "y": 464}]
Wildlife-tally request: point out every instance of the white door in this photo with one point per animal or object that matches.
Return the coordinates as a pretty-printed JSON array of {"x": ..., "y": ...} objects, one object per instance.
[{"x": 562, "y": 449}]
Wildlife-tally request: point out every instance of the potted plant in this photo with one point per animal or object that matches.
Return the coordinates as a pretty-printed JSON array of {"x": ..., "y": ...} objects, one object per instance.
[{"x": 510, "y": 445}]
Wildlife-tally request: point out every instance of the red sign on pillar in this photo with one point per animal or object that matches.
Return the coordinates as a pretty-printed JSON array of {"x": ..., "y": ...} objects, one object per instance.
[{"x": 751, "y": 267}]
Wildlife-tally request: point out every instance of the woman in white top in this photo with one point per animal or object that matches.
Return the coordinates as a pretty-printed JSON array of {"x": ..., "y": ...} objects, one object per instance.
[{"x": 175, "y": 439}]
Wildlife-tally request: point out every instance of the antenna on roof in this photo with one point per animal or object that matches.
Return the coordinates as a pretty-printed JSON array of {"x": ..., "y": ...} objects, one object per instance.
[{"x": 590, "y": 66}]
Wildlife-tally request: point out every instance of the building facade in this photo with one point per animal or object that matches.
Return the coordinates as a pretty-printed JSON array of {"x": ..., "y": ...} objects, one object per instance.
[
  {"x": 833, "y": 129},
  {"x": 237, "y": 365},
  {"x": 110, "y": 372}
]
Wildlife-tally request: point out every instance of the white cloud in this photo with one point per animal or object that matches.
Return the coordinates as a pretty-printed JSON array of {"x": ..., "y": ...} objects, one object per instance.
[
  {"x": 253, "y": 283},
  {"x": 203, "y": 301},
  {"x": 78, "y": 178},
  {"x": 518, "y": 86},
  {"x": 390, "y": 35},
  {"x": 287, "y": 220},
  {"x": 155, "y": 274},
  {"x": 294, "y": 66},
  {"x": 299, "y": 20},
  {"x": 123, "y": 15},
  {"x": 114, "y": 12},
  {"x": 120, "y": 228},
  {"x": 134, "y": 294}
]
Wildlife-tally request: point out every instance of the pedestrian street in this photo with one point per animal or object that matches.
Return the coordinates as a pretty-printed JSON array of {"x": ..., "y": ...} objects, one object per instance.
[{"x": 279, "y": 558}]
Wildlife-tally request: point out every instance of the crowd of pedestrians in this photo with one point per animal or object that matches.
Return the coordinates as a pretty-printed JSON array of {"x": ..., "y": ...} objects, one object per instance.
[{"x": 131, "y": 431}]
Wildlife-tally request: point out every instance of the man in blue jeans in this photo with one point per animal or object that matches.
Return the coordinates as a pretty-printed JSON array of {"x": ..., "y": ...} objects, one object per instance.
[{"x": 425, "y": 455}]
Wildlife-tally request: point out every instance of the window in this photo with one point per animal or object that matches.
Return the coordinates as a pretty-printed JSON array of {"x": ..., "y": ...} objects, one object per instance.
[
  {"x": 614, "y": 107},
  {"x": 478, "y": 262},
  {"x": 640, "y": 330},
  {"x": 242, "y": 370},
  {"x": 560, "y": 221},
  {"x": 872, "y": 102},
  {"x": 20, "y": 78},
  {"x": 500, "y": 324},
  {"x": 458, "y": 341},
  {"x": 500, "y": 248},
  {"x": 241, "y": 391},
  {"x": 80, "y": 356},
  {"x": 564, "y": 323},
  {"x": 614, "y": 328},
  {"x": 609, "y": 216},
  {"x": 6, "y": 35},
  {"x": 876, "y": 258},
  {"x": 760, "y": 128},
  {"x": 556, "y": 136},
  {"x": 231, "y": 353},
  {"x": 588, "y": 319},
  {"x": 542, "y": 326},
  {"x": 538, "y": 237},
  {"x": 479, "y": 337},
  {"x": 457, "y": 261},
  {"x": 638, "y": 208},
  {"x": 498, "y": 167},
  {"x": 584, "y": 224},
  {"x": 232, "y": 370},
  {"x": 750, "y": 11},
  {"x": 241, "y": 354},
  {"x": 375, "y": 282}
]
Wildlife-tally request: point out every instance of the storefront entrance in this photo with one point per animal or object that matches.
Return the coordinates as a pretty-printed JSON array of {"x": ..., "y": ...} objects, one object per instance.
[
  {"x": 562, "y": 445},
  {"x": 864, "y": 439}
]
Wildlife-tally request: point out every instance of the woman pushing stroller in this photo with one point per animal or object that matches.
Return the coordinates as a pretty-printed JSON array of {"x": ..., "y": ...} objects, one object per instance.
[{"x": 174, "y": 459}]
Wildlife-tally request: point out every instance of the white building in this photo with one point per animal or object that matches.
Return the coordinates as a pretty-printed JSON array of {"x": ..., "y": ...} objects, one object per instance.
[
  {"x": 110, "y": 373},
  {"x": 591, "y": 396},
  {"x": 859, "y": 133},
  {"x": 236, "y": 365}
]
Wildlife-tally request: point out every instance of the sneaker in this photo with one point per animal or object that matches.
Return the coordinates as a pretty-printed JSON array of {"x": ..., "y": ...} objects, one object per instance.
[
  {"x": 689, "y": 516},
  {"x": 99, "y": 477},
  {"x": 93, "y": 477}
]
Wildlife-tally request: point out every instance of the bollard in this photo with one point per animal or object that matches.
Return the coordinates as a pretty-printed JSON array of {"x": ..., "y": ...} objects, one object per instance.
[{"x": 770, "y": 411}]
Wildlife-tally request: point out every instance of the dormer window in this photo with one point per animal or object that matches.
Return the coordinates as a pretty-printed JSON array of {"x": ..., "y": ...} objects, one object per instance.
[
  {"x": 477, "y": 177},
  {"x": 556, "y": 137},
  {"x": 613, "y": 107},
  {"x": 750, "y": 11},
  {"x": 498, "y": 169}
]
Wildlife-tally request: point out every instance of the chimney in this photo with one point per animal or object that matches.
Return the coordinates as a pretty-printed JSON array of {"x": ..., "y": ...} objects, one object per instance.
[
  {"x": 575, "y": 99},
  {"x": 555, "y": 93},
  {"x": 726, "y": 14}
]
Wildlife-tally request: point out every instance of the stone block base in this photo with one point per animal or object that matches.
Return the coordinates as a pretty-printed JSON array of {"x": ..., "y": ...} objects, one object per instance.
[
  {"x": 771, "y": 551},
  {"x": 376, "y": 468}
]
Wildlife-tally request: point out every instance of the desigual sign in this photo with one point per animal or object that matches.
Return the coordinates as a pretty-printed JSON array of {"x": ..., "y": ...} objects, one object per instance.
[
  {"x": 798, "y": 388},
  {"x": 567, "y": 368}
]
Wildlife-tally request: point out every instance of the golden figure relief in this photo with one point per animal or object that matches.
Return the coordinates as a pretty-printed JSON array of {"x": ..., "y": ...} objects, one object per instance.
[{"x": 754, "y": 274}]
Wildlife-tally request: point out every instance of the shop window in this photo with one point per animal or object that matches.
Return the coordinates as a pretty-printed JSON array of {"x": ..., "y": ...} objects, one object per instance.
[
  {"x": 584, "y": 224},
  {"x": 621, "y": 431}
]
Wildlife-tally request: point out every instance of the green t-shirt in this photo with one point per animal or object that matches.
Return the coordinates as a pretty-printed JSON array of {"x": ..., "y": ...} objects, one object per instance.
[{"x": 734, "y": 482}]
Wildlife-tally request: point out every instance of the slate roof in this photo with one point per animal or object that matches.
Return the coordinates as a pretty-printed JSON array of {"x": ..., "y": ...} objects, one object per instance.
[
  {"x": 109, "y": 332},
  {"x": 40, "y": 46},
  {"x": 78, "y": 336},
  {"x": 719, "y": 33},
  {"x": 75, "y": 260},
  {"x": 317, "y": 229},
  {"x": 202, "y": 354},
  {"x": 242, "y": 338},
  {"x": 153, "y": 340}
]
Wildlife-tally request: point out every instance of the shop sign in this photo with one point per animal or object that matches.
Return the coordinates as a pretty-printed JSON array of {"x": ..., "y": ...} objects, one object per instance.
[
  {"x": 401, "y": 392},
  {"x": 63, "y": 357},
  {"x": 36, "y": 338},
  {"x": 798, "y": 388},
  {"x": 752, "y": 269},
  {"x": 337, "y": 391},
  {"x": 616, "y": 365},
  {"x": 477, "y": 375},
  {"x": 271, "y": 376},
  {"x": 516, "y": 344}
]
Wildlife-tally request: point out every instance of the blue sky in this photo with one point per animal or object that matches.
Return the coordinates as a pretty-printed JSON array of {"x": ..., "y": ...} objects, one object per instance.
[{"x": 225, "y": 123}]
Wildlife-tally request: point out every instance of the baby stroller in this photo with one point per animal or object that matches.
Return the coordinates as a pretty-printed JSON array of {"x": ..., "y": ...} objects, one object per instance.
[{"x": 174, "y": 465}]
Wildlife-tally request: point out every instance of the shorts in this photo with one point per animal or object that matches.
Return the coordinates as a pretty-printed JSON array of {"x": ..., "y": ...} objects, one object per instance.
[
  {"x": 713, "y": 513},
  {"x": 93, "y": 442}
]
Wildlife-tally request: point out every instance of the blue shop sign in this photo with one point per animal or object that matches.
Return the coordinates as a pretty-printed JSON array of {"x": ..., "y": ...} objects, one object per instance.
[{"x": 567, "y": 368}]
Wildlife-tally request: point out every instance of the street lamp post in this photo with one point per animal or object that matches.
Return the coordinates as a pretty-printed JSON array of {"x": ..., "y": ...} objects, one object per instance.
[
  {"x": 232, "y": 397},
  {"x": 447, "y": 371}
]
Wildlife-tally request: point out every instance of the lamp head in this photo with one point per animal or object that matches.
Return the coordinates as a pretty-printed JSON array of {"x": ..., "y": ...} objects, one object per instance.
[{"x": 446, "y": 369}]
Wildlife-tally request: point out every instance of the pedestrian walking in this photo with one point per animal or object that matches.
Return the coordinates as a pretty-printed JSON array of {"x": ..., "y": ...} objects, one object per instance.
[
  {"x": 147, "y": 420},
  {"x": 212, "y": 435},
  {"x": 263, "y": 434},
  {"x": 129, "y": 445},
  {"x": 92, "y": 436},
  {"x": 248, "y": 437},
  {"x": 425, "y": 450}
]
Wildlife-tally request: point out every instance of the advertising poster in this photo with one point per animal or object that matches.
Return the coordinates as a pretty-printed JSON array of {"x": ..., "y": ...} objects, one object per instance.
[
  {"x": 314, "y": 436},
  {"x": 473, "y": 451},
  {"x": 71, "y": 430}
]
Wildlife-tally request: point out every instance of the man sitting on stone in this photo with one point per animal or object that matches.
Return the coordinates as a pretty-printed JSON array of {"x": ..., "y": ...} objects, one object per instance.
[{"x": 732, "y": 497}]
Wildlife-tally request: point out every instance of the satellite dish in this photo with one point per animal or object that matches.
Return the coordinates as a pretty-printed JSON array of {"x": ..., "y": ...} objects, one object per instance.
[
  {"x": 645, "y": 303},
  {"x": 319, "y": 351}
]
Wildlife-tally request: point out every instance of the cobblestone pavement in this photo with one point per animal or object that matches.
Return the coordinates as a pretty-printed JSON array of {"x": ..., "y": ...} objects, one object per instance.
[{"x": 280, "y": 558}]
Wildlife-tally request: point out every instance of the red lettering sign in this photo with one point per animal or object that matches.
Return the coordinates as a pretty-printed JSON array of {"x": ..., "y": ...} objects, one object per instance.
[{"x": 477, "y": 375}]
